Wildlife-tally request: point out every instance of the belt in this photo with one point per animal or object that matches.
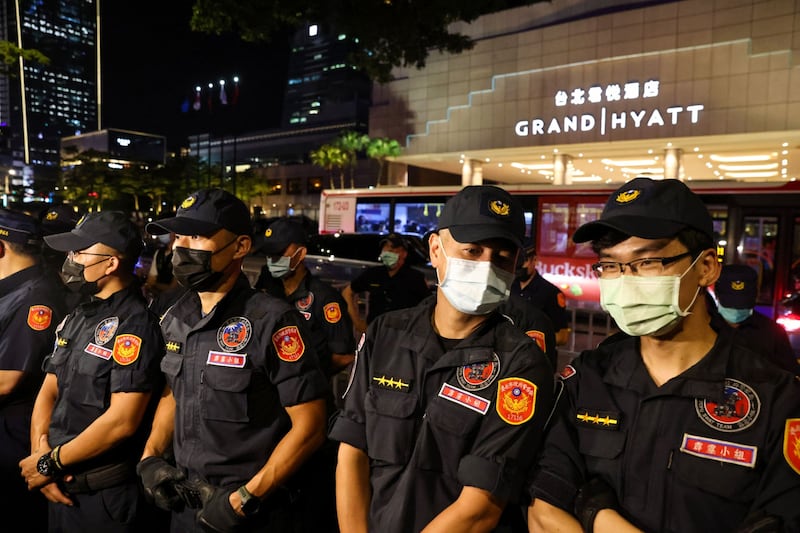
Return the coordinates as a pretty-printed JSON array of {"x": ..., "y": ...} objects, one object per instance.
[{"x": 100, "y": 478}]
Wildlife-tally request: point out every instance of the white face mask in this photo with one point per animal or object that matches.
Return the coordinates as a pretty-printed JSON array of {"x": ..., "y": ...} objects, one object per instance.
[
  {"x": 474, "y": 287},
  {"x": 282, "y": 267},
  {"x": 645, "y": 305}
]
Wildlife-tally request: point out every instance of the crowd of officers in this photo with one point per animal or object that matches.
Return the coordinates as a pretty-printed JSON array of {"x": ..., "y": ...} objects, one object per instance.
[{"x": 198, "y": 401}]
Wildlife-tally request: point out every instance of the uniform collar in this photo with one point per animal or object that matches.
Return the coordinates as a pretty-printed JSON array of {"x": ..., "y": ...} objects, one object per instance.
[
  {"x": 94, "y": 305},
  {"x": 302, "y": 290},
  {"x": 702, "y": 380}
]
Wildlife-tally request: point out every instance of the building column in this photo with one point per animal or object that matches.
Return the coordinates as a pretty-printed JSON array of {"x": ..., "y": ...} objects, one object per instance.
[
  {"x": 472, "y": 172},
  {"x": 672, "y": 163},
  {"x": 561, "y": 171}
]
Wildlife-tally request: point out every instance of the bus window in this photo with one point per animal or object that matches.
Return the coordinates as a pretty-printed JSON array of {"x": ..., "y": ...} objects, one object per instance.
[
  {"x": 585, "y": 213},
  {"x": 417, "y": 218},
  {"x": 757, "y": 249},
  {"x": 554, "y": 231},
  {"x": 372, "y": 218}
]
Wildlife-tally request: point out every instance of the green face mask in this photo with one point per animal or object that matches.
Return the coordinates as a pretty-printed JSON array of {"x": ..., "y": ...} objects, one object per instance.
[
  {"x": 389, "y": 259},
  {"x": 645, "y": 305}
]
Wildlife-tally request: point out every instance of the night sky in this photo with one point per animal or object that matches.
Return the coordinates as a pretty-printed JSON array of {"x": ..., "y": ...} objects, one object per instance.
[{"x": 152, "y": 61}]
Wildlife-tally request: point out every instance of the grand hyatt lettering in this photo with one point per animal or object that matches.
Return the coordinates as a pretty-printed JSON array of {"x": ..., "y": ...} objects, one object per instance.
[{"x": 609, "y": 120}]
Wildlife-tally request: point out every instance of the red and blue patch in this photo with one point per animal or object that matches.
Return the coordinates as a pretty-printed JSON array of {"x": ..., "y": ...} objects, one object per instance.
[
  {"x": 234, "y": 334},
  {"x": 478, "y": 376},
  {"x": 106, "y": 330},
  {"x": 737, "y": 410}
]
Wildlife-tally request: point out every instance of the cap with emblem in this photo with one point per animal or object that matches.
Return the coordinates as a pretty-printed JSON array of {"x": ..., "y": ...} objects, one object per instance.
[
  {"x": 205, "y": 212},
  {"x": 279, "y": 235},
  {"x": 650, "y": 209},
  {"x": 19, "y": 227},
  {"x": 112, "y": 228},
  {"x": 58, "y": 219},
  {"x": 395, "y": 240},
  {"x": 737, "y": 287},
  {"x": 480, "y": 212}
]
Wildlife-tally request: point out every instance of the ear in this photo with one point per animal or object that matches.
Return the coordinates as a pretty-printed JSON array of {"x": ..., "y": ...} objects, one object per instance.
[
  {"x": 113, "y": 265},
  {"x": 301, "y": 254},
  {"x": 709, "y": 267},
  {"x": 243, "y": 245},
  {"x": 435, "y": 249}
]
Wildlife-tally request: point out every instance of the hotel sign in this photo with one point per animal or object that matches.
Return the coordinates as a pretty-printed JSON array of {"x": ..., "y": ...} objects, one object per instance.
[{"x": 603, "y": 119}]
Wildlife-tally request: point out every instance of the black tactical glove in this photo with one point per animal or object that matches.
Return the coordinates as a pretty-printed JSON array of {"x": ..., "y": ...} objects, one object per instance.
[
  {"x": 158, "y": 480},
  {"x": 593, "y": 497},
  {"x": 761, "y": 522},
  {"x": 218, "y": 516}
]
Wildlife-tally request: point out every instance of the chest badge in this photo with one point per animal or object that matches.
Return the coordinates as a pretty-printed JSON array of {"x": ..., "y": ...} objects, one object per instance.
[
  {"x": 478, "y": 376},
  {"x": 305, "y": 302},
  {"x": 597, "y": 419},
  {"x": 39, "y": 317},
  {"x": 106, "y": 330},
  {"x": 234, "y": 334},
  {"x": 737, "y": 410},
  {"x": 392, "y": 383}
]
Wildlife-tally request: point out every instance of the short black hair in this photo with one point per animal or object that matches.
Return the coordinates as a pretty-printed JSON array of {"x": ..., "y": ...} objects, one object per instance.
[
  {"x": 31, "y": 249},
  {"x": 695, "y": 240}
]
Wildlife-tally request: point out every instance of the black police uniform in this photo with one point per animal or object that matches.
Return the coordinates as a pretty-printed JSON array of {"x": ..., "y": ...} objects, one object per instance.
[
  {"x": 546, "y": 297},
  {"x": 433, "y": 420},
  {"x": 31, "y": 306},
  {"x": 329, "y": 327},
  {"x": 699, "y": 453},
  {"x": 104, "y": 346},
  {"x": 534, "y": 323},
  {"x": 232, "y": 372},
  {"x": 387, "y": 293}
]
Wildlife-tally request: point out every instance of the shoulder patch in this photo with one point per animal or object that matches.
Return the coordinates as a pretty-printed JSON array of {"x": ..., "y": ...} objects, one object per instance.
[
  {"x": 126, "y": 349},
  {"x": 791, "y": 443},
  {"x": 567, "y": 372},
  {"x": 288, "y": 344},
  {"x": 562, "y": 300},
  {"x": 516, "y": 400},
  {"x": 39, "y": 317},
  {"x": 538, "y": 336},
  {"x": 332, "y": 312}
]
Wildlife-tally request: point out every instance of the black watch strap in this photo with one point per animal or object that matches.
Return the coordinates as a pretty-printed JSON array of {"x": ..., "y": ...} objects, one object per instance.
[{"x": 250, "y": 503}]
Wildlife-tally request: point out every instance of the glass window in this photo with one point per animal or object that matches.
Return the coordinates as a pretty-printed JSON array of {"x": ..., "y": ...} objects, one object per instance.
[
  {"x": 295, "y": 186},
  {"x": 372, "y": 218},
  {"x": 757, "y": 249},
  {"x": 274, "y": 186},
  {"x": 585, "y": 213},
  {"x": 554, "y": 233},
  {"x": 417, "y": 218}
]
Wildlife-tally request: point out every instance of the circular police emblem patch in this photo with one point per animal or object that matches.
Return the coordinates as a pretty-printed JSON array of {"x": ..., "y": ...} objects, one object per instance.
[
  {"x": 737, "y": 411},
  {"x": 478, "y": 376},
  {"x": 234, "y": 334},
  {"x": 106, "y": 330},
  {"x": 305, "y": 302}
]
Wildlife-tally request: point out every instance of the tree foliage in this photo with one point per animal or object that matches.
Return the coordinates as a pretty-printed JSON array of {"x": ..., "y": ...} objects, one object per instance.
[
  {"x": 10, "y": 54},
  {"x": 380, "y": 149},
  {"x": 389, "y": 33},
  {"x": 352, "y": 142},
  {"x": 329, "y": 157}
]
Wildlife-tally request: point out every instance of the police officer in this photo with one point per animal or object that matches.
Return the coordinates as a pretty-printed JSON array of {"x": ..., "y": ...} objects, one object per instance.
[
  {"x": 329, "y": 326},
  {"x": 531, "y": 286},
  {"x": 534, "y": 323},
  {"x": 102, "y": 384},
  {"x": 676, "y": 428},
  {"x": 31, "y": 305},
  {"x": 394, "y": 285},
  {"x": 736, "y": 291},
  {"x": 244, "y": 405},
  {"x": 448, "y": 399}
]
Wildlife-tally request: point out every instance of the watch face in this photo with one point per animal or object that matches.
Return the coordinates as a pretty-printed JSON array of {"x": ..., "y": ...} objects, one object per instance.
[
  {"x": 250, "y": 506},
  {"x": 45, "y": 465}
]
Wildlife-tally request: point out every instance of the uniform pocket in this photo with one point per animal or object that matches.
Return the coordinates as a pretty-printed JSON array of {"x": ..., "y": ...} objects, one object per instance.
[
  {"x": 390, "y": 426},
  {"x": 224, "y": 393},
  {"x": 171, "y": 366},
  {"x": 729, "y": 481},
  {"x": 444, "y": 439},
  {"x": 91, "y": 381}
]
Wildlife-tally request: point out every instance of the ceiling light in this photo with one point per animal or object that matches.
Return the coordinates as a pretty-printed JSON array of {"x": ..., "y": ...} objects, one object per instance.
[
  {"x": 653, "y": 170},
  {"x": 537, "y": 166},
  {"x": 739, "y": 158},
  {"x": 629, "y": 162},
  {"x": 768, "y": 166},
  {"x": 587, "y": 178},
  {"x": 751, "y": 174},
  {"x": 544, "y": 172}
]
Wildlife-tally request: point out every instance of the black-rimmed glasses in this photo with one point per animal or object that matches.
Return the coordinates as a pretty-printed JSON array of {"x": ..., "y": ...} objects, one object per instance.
[{"x": 647, "y": 266}]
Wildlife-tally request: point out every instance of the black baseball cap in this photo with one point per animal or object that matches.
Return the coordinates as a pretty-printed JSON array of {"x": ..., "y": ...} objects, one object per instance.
[
  {"x": 112, "y": 228},
  {"x": 395, "y": 239},
  {"x": 650, "y": 209},
  {"x": 737, "y": 287},
  {"x": 58, "y": 219},
  {"x": 480, "y": 212},
  {"x": 205, "y": 212},
  {"x": 279, "y": 235},
  {"x": 19, "y": 227}
]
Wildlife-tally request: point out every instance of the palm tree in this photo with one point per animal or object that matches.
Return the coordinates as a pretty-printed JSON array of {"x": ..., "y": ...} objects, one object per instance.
[
  {"x": 329, "y": 156},
  {"x": 380, "y": 149},
  {"x": 351, "y": 143}
]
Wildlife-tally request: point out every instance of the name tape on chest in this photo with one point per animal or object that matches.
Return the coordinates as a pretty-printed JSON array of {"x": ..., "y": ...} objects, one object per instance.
[
  {"x": 720, "y": 450},
  {"x": 233, "y": 360},
  {"x": 39, "y": 317},
  {"x": 95, "y": 350},
  {"x": 597, "y": 419},
  {"x": 516, "y": 400},
  {"x": 464, "y": 398}
]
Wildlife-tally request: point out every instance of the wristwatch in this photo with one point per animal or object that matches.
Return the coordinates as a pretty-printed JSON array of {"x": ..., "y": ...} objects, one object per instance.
[
  {"x": 47, "y": 466},
  {"x": 250, "y": 503}
]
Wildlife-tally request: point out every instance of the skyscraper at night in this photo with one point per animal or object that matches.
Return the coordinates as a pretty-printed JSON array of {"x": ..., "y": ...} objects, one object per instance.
[{"x": 41, "y": 103}]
